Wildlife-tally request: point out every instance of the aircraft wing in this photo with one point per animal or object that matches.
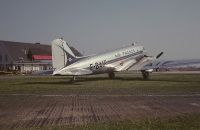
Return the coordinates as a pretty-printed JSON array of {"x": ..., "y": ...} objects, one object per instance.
[
  {"x": 131, "y": 64},
  {"x": 80, "y": 71},
  {"x": 73, "y": 71},
  {"x": 137, "y": 64},
  {"x": 142, "y": 63},
  {"x": 120, "y": 65}
]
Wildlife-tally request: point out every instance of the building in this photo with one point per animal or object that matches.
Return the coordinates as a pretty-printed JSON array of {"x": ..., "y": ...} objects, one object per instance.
[{"x": 26, "y": 57}]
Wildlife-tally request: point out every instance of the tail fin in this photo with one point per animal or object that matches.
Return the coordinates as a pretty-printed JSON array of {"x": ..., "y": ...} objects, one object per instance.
[{"x": 62, "y": 55}]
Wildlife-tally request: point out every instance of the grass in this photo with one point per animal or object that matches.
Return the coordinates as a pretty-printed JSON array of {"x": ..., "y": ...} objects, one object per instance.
[
  {"x": 128, "y": 84},
  {"x": 123, "y": 84}
]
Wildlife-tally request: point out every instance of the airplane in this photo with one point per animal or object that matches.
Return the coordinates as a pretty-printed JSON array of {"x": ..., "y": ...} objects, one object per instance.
[{"x": 132, "y": 57}]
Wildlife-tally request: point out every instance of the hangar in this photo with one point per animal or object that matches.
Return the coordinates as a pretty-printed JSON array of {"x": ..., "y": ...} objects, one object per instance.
[{"x": 26, "y": 57}]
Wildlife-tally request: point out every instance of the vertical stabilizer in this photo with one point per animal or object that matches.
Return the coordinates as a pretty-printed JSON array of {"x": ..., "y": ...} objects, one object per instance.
[{"x": 61, "y": 54}]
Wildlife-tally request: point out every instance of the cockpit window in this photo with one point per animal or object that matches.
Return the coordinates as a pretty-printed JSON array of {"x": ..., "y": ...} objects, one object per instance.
[{"x": 150, "y": 64}]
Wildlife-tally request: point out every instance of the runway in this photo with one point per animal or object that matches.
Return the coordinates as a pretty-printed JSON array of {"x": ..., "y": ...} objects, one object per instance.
[{"x": 25, "y": 111}]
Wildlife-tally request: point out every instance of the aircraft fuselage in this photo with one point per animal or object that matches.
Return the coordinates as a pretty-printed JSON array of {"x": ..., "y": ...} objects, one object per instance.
[{"x": 104, "y": 63}]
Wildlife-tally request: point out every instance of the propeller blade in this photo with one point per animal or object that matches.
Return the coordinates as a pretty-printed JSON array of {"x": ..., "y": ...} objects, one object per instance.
[{"x": 160, "y": 54}]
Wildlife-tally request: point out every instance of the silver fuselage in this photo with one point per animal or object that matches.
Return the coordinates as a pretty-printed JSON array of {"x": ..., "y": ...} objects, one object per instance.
[{"x": 120, "y": 60}]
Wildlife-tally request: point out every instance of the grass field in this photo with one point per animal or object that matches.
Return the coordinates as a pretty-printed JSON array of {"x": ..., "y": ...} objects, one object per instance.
[
  {"x": 123, "y": 84},
  {"x": 166, "y": 101}
]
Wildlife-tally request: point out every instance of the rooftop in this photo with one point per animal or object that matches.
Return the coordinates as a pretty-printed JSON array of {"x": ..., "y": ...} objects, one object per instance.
[{"x": 20, "y": 50}]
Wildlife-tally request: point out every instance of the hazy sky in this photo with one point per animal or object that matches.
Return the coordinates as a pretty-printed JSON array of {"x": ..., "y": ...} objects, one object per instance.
[{"x": 94, "y": 26}]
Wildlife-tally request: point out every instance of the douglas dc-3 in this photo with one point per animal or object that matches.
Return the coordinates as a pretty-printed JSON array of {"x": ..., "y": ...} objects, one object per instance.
[{"x": 128, "y": 58}]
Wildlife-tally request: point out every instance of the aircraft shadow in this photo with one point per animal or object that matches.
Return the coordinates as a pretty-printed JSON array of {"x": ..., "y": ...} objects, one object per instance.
[
  {"x": 79, "y": 80},
  {"x": 83, "y": 79},
  {"x": 88, "y": 79},
  {"x": 67, "y": 82}
]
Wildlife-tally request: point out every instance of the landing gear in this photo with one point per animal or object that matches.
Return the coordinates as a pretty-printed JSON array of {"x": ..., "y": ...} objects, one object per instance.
[
  {"x": 145, "y": 74},
  {"x": 73, "y": 79},
  {"x": 111, "y": 75}
]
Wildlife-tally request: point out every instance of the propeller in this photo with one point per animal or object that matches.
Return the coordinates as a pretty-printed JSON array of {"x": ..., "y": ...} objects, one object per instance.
[{"x": 159, "y": 55}]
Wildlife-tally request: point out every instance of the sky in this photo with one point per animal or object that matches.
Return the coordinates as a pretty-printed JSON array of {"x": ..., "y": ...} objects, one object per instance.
[{"x": 95, "y": 26}]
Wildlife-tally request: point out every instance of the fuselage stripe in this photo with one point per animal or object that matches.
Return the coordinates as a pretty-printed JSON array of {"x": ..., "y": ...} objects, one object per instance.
[{"x": 124, "y": 57}]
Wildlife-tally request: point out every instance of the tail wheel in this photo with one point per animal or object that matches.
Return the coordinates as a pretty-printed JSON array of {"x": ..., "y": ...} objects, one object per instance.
[
  {"x": 145, "y": 75},
  {"x": 111, "y": 75}
]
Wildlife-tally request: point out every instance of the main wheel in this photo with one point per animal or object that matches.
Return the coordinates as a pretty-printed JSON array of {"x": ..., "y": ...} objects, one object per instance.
[
  {"x": 145, "y": 75},
  {"x": 111, "y": 75},
  {"x": 73, "y": 79}
]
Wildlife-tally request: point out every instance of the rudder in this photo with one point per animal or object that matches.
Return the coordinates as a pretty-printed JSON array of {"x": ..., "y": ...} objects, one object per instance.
[{"x": 61, "y": 53}]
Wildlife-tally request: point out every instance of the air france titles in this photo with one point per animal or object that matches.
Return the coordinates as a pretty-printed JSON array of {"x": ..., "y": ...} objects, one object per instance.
[
  {"x": 128, "y": 52},
  {"x": 124, "y": 53},
  {"x": 97, "y": 65}
]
